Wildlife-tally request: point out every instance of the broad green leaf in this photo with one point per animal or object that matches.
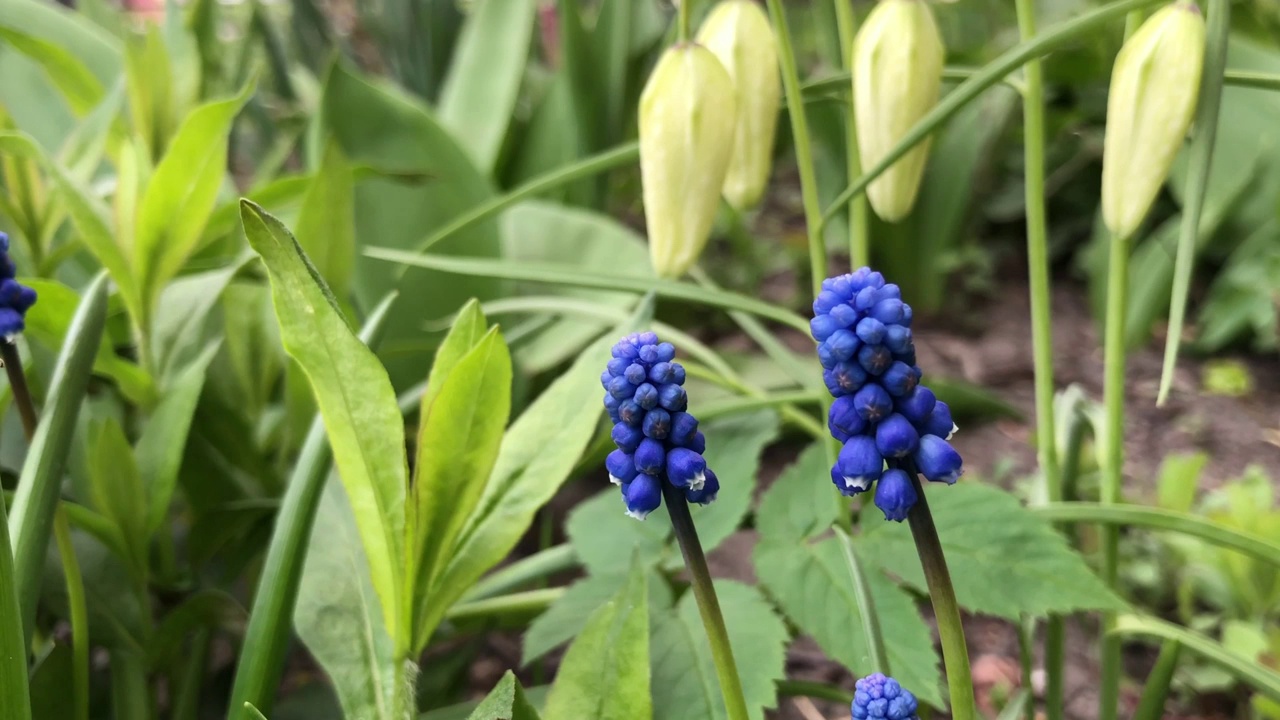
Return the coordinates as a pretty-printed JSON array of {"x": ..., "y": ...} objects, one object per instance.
[
  {"x": 326, "y": 222},
  {"x": 118, "y": 492},
  {"x": 1004, "y": 560},
  {"x": 178, "y": 332},
  {"x": 81, "y": 153},
  {"x": 505, "y": 702},
  {"x": 601, "y": 533},
  {"x": 809, "y": 579},
  {"x": 469, "y": 328},
  {"x": 605, "y": 673},
  {"x": 31, "y": 518},
  {"x": 152, "y": 107},
  {"x": 538, "y": 452},
  {"x": 379, "y": 126},
  {"x": 566, "y": 617},
  {"x": 1179, "y": 476},
  {"x": 460, "y": 433},
  {"x": 181, "y": 192},
  {"x": 685, "y": 686},
  {"x": 64, "y": 28},
  {"x": 355, "y": 398},
  {"x": 160, "y": 448},
  {"x": 81, "y": 89},
  {"x": 337, "y": 613},
  {"x": 480, "y": 91},
  {"x": 734, "y": 445}
]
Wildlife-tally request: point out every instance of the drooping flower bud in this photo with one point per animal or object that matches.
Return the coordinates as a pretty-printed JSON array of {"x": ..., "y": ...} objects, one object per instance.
[
  {"x": 738, "y": 33},
  {"x": 688, "y": 114},
  {"x": 1154, "y": 86},
  {"x": 897, "y": 75}
]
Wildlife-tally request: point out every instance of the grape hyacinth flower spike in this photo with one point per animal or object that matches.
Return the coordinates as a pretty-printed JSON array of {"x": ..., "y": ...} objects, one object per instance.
[
  {"x": 877, "y": 697},
  {"x": 657, "y": 439},
  {"x": 15, "y": 298},
  {"x": 881, "y": 414}
]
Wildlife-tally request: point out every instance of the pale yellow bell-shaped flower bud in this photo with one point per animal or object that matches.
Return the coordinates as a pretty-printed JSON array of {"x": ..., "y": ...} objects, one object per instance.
[
  {"x": 739, "y": 34},
  {"x": 1154, "y": 87},
  {"x": 688, "y": 113},
  {"x": 897, "y": 75}
]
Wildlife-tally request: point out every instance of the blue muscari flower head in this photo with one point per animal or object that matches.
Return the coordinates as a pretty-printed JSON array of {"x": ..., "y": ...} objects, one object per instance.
[
  {"x": 657, "y": 438},
  {"x": 15, "y": 298},
  {"x": 877, "y": 697},
  {"x": 882, "y": 414}
]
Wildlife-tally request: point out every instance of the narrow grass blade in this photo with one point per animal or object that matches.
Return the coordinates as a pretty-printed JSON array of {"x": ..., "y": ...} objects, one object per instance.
[
  {"x": 79, "y": 615},
  {"x": 1017, "y": 706},
  {"x": 271, "y": 619},
  {"x": 866, "y": 606},
  {"x": 1151, "y": 706},
  {"x": 1206, "y": 125},
  {"x": 573, "y": 277},
  {"x": 31, "y": 523},
  {"x": 1245, "y": 669},
  {"x": 1160, "y": 519},
  {"x": 13, "y": 647}
]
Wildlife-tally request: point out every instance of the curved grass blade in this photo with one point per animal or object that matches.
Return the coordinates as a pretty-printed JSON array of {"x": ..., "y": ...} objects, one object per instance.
[
  {"x": 1253, "y": 673},
  {"x": 1016, "y": 707},
  {"x": 988, "y": 75},
  {"x": 572, "y": 276},
  {"x": 866, "y": 606},
  {"x": 1201, "y": 161},
  {"x": 271, "y": 618},
  {"x": 1160, "y": 519},
  {"x": 79, "y": 615},
  {"x": 34, "y": 504},
  {"x": 13, "y": 647},
  {"x": 1151, "y": 706}
]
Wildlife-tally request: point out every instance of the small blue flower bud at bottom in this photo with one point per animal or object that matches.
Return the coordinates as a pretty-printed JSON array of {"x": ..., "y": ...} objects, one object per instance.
[
  {"x": 899, "y": 379},
  {"x": 683, "y": 427},
  {"x": 630, "y": 413},
  {"x": 677, "y": 373},
  {"x": 686, "y": 468},
  {"x": 842, "y": 345},
  {"x": 699, "y": 443},
  {"x": 657, "y": 423},
  {"x": 611, "y": 406},
  {"x": 626, "y": 437},
  {"x": 707, "y": 493},
  {"x": 897, "y": 338},
  {"x": 673, "y": 397},
  {"x": 650, "y": 456},
  {"x": 939, "y": 422},
  {"x": 11, "y": 322},
  {"x": 895, "y": 495},
  {"x": 872, "y": 402},
  {"x": 937, "y": 460},
  {"x": 895, "y": 437},
  {"x": 916, "y": 405},
  {"x": 859, "y": 464},
  {"x": 843, "y": 419},
  {"x": 870, "y": 331},
  {"x": 881, "y": 698},
  {"x": 621, "y": 389},
  {"x": 621, "y": 467},
  {"x": 875, "y": 359}
]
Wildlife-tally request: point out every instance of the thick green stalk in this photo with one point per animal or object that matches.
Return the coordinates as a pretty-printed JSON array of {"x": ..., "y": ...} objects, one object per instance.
[
  {"x": 1113, "y": 464},
  {"x": 866, "y": 606},
  {"x": 1201, "y": 160},
  {"x": 13, "y": 646},
  {"x": 130, "y": 696},
  {"x": 1151, "y": 706},
  {"x": 683, "y": 20},
  {"x": 988, "y": 75},
  {"x": 1026, "y": 658},
  {"x": 708, "y": 606},
  {"x": 803, "y": 148},
  {"x": 859, "y": 241},
  {"x": 1041, "y": 316},
  {"x": 271, "y": 620},
  {"x": 955, "y": 653}
]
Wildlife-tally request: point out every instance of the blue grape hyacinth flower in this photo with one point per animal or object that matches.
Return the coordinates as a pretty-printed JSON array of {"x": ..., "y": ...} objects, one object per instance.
[
  {"x": 657, "y": 439},
  {"x": 15, "y": 298},
  {"x": 877, "y": 697},
  {"x": 882, "y": 414}
]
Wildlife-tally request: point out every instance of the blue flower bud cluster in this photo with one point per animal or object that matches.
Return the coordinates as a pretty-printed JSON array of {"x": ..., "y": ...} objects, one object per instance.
[
  {"x": 658, "y": 440},
  {"x": 15, "y": 298},
  {"x": 877, "y": 697},
  {"x": 881, "y": 413}
]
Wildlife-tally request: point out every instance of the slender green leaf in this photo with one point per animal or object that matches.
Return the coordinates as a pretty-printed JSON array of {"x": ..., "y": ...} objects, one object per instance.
[
  {"x": 355, "y": 398},
  {"x": 95, "y": 48},
  {"x": 82, "y": 151},
  {"x": 179, "y": 329},
  {"x": 13, "y": 646},
  {"x": 81, "y": 89},
  {"x": 1262, "y": 679},
  {"x": 483, "y": 83},
  {"x": 468, "y": 329},
  {"x": 568, "y": 614},
  {"x": 118, "y": 492},
  {"x": 734, "y": 447},
  {"x": 31, "y": 520},
  {"x": 149, "y": 82},
  {"x": 326, "y": 222},
  {"x": 268, "y": 634},
  {"x": 506, "y": 701},
  {"x": 1156, "y": 692},
  {"x": 605, "y": 673}
]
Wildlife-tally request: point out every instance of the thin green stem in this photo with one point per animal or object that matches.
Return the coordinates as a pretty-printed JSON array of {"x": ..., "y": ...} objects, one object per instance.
[
  {"x": 79, "y": 615},
  {"x": 684, "y": 20},
  {"x": 1113, "y": 465},
  {"x": 18, "y": 384},
  {"x": 955, "y": 653},
  {"x": 523, "y": 604},
  {"x": 186, "y": 700},
  {"x": 1151, "y": 706},
  {"x": 404, "y": 696},
  {"x": 866, "y": 606},
  {"x": 708, "y": 606},
  {"x": 1026, "y": 658},
  {"x": 859, "y": 240},
  {"x": 801, "y": 688},
  {"x": 803, "y": 148},
  {"x": 13, "y": 646},
  {"x": 743, "y": 405}
]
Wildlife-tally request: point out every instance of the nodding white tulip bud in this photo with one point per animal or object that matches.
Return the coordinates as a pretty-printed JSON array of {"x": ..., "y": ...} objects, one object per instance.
[
  {"x": 688, "y": 114},
  {"x": 1154, "y": 87},
  {"x": 897, "y": 75},
  {"x": 738, "y": 33}
]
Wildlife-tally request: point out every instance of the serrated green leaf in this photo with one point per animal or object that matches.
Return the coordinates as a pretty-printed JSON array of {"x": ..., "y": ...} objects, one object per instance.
[
  {"x": 734, "y": 445},
  {"x": 565, "y": 618},
  {"x": 118, "y": 492},
  {"x": 355, "y": 397},
  {"x": 601, "y": 533},
  {"x": 326, "y": 222},
  {"x": 1004, "y": 560},
  {"x": 505, "y": 702},
  {"x": 684, "y": 675},
  {"x": 605, "y": 673},
  {"x": 799, "y": 505}
]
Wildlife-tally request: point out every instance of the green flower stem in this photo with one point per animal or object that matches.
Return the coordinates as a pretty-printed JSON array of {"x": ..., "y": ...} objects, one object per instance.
[
  {"x": 866, "y": 606},
  {"x": 859, "y": 241},
  {"x": 130, "y": 696},
  {"x": 13, "y": 646},
  {"x": 1113, "y": 464},
  {"x": 708, "y": 606},
  {"x": 1026, "y": 657},
  {"x": 1151, "y": 706},
  {"x": 18, "y": 384},
  {"x": 683, "y": 20},
  {"x": 955, "y": 653},
  {"x": 1041, "y": 320},
  {"x": 985, "y": 77}
]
